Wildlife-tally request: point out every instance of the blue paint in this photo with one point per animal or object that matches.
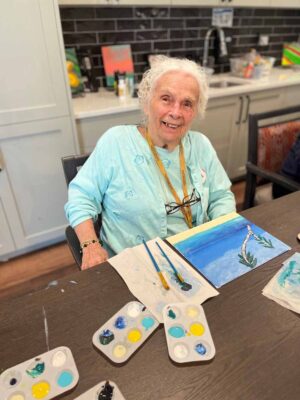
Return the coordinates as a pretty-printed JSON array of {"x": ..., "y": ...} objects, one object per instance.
[
  {"x": 65, "y": 379},
  {"x": 201, "y": 349},
  {"x": 147, "y": 322},
  {"x": 120, "y": 323},
  {"x": 176, "y": 331}
]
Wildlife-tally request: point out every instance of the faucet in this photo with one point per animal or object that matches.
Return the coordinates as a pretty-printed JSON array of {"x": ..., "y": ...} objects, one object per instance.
[{"x": 222, "y": 46}]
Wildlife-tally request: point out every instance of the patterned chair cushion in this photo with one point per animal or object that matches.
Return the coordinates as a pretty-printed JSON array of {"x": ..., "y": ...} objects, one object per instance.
[{"x": 274, "y": 143}]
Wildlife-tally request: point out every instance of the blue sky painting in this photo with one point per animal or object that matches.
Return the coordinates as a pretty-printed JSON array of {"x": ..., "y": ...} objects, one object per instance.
[{"x": 229, "y": 250}]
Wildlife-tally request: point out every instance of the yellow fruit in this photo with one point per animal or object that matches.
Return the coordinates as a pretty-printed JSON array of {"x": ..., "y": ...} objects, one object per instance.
[{"x": 73, "y": 80}]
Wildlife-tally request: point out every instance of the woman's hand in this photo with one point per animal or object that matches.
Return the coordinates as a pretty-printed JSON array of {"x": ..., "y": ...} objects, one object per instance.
[{"x": 92, "y": 255}]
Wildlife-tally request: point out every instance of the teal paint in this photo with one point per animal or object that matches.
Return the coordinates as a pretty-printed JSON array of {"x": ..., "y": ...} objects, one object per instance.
[
  {"x": 65, "y": 379},
  {"x": 176, "y": 331},
  {"x": 171, "y": 314},
  {"x": 147, "y": 322}
]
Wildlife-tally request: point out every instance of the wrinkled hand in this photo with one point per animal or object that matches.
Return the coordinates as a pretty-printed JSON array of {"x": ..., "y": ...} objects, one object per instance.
[{"x": 93, "y": 255}]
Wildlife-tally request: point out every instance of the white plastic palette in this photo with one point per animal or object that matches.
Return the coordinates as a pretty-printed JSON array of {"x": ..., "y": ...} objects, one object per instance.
[
  {"x": 106, "y": 390},
  {"x": 43, "y": 377},
  {"x": 125, "y": 332},
  {"x": 187, "y": 332}
]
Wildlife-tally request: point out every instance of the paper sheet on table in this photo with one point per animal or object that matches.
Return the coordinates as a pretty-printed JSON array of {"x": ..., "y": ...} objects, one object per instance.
[
  {"x": 139, "y": 274},
  {"x": 284, "y": 287}
]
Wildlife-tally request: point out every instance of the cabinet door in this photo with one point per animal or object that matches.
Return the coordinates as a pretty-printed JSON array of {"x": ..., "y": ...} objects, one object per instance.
[
  {"x": 90, "y": 129},
  {"x": 219, "y": 124},
  {"x": 291, "y": 96},
  {"x": 7, "y": 244},
  {"x": 253, "y": 103},
  {"x": 32, "y": 157},
  {"x": 195, "y": 3},
  {"x": 285, "y": 4},
  {"x": 33, "y": 84},
  {"x": 245, "y": 3}
]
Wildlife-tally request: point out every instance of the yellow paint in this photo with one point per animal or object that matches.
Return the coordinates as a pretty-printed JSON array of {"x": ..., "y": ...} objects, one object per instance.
[
  {"x": 40, "y": 390},
  {"x": 17, "y": 396},
  {"x": 134, "y": 335},
  {"x": 119, "y": 351},
  {"x": 192, "y": 312},
  {"x": 197, "y": 329},
  {"x": 201, "y": 228}
]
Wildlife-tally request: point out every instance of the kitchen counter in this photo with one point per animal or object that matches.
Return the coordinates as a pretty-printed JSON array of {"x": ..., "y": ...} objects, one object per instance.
[{"x": 105, "y": 102}]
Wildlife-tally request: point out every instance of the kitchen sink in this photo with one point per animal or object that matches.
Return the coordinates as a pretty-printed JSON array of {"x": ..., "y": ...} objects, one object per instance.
[{"x": 224, "y": 83}]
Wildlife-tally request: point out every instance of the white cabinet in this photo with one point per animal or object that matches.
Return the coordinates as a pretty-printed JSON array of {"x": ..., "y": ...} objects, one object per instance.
[
  {"x": 285, "y": 4},
  {"x": 245, "y": 3},
  {"x": 90, "y": 129},
  {"x": 218, "y": 125},
  {"x": 33, "y": 81},
  {"x": 208, "y": 3},
  {"x": 36, "y": 126},
  {"x": 7, "y": 244},
  {"x": 291, "y": 96},
  {"x": 115, "y": 2},
  {"x": 252, "y": 103}
]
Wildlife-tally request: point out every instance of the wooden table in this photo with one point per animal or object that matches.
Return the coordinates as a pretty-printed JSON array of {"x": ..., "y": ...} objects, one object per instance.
[{"x": 257, "y": 341}]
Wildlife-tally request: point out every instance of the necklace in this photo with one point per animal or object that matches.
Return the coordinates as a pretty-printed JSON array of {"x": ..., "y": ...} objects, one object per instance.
[{"x": 185, "y": 209}]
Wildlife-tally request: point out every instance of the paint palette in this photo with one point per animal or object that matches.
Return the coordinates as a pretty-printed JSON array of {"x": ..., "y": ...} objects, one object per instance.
[
  {"x": 187, "y": 332},
  {"x": 106, "y": 390},
  {"x": 125, "y": 332},
  {"x": 43, "y": 377}
]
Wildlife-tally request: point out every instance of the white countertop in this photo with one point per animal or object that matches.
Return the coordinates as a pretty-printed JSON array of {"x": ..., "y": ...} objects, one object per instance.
[{"x": 105, "y": 102}]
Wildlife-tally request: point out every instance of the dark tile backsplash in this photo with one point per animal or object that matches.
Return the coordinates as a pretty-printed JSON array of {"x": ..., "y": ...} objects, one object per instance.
[{"x": 174, "y": 31}]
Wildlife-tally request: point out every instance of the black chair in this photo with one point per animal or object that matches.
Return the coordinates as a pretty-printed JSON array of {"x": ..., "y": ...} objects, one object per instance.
[
  {"x": 71, "y": 166},
  {"x": 271, "y": 135}
]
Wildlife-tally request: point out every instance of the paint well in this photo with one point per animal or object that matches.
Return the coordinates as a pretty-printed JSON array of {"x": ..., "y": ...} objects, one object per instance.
[
  {"x": 201, "y": 349},
  {"x": 12, "y": 378},
  {"x": 120, "y": 322},
  {"x": 176, "y": 331},
  {"x": 180, "y": 351},
  {"x": 192, "y": 311},
  {"x": 134, "y": 335},
  {"x": 17, "y": 396},
  {"x": 106, "y": 337},
  {"x": 65, "y": 379},
  {"x": 59, "y": 358},
  {"x": 40, "y": 390},
  {"x": 197, "y": 329},
  {"x": 147, "y": 322},
  {"x": 36, "y": 368},
  {"x": 133, "y": 310},
  {"x": 119, "y": 351}
]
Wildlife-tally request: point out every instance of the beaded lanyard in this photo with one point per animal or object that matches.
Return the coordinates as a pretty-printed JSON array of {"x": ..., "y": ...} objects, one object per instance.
[{"x": 185, "y": 209}]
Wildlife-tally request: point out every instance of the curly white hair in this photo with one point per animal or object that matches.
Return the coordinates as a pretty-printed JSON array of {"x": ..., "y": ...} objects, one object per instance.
[{"x": 161, "y": 65}]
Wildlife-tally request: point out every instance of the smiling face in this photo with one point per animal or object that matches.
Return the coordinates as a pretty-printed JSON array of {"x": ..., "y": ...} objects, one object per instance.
[{"x": 172, "y": 108}]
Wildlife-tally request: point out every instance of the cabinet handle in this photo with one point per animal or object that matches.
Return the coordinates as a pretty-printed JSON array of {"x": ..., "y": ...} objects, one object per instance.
[
  {"x": 241, "y": 110},
  {"x": 247, "y": 111}
]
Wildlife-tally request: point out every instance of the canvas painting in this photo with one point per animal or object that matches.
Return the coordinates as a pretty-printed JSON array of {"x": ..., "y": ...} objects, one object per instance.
[{"x": 227, "y": 247}]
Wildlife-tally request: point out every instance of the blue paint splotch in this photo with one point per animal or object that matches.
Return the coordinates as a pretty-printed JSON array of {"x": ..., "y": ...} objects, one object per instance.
[
  {"x": 147, "y": 322},
  {"x": 176, "y": 332},
  {"x": 120, "y": 322}
]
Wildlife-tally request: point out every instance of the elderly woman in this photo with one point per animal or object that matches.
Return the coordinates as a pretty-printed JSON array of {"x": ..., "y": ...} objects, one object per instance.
[{"x": 155, "y": 179}]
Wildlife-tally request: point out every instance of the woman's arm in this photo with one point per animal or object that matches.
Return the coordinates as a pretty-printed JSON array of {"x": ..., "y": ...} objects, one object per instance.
[{"x": 93, "y": 253}]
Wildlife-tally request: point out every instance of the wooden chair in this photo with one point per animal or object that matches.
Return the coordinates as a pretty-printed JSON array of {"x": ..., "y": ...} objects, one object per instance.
[
  {"x": 71, "y": 165},
  {"x": 271, "y": 135}
]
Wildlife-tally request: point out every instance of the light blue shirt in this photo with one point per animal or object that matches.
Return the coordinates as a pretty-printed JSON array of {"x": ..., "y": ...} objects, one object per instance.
[{"x": 121, "y": 181}]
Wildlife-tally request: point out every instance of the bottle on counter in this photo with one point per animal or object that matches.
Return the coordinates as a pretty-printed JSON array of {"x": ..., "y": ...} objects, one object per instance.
[
  {"x": 116, "y": 83},
  {"x": 122, "y": 86},
  {"x": 130, "y": 84}
]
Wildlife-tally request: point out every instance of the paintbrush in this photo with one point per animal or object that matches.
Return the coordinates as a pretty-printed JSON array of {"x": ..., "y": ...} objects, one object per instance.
[
  {"x": 161, "y": 277},
  {"x": 170, "y": 263}
]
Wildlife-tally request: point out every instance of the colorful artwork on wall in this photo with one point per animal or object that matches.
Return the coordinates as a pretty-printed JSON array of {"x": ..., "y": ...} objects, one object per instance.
[
  {"x": 116, "y": 59},
  {"x": 227, "y": 247}
]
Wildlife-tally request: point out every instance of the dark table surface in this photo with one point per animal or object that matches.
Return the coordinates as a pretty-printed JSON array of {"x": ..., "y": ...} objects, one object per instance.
[{"x": 257, "y": 341}]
